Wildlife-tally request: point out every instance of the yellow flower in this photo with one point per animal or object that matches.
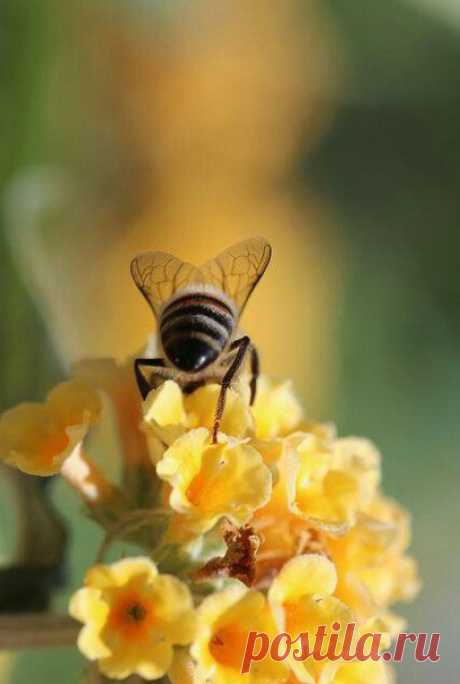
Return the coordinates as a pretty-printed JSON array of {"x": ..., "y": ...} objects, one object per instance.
[
  {"x": 403, "y": 583},
  {"x": 361, "y": 458},
  {"x": 302, "y": 601},
  {"x": 283, "y": 533},
  {"x": 330, "y": 481},
  {"x": 224, "y": 622},
  {"x": 169, "y": 413},
  {"x": 132, "y": 618},
  {"x": 210, "y": 481},
  {"x": 276, "y": 410},
  {"x": 38, "y": 437},
  {"x": 374, "y": 571}
]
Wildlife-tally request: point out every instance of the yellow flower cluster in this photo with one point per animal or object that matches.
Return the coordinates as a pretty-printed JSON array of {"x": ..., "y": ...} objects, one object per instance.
[
  {"x": 330, "y": 550},
  {"x": 325, "y": 529}
]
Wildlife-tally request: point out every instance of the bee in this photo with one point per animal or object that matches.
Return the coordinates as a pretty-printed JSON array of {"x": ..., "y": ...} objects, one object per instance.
[{"x": 197, "y": 312}]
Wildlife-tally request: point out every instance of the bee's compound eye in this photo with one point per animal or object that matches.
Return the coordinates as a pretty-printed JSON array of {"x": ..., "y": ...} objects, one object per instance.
[{"x": 190, "y": 355}]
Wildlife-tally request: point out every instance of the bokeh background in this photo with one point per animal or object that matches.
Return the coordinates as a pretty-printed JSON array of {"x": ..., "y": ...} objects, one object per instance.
[{"x": 330, "y": 127}]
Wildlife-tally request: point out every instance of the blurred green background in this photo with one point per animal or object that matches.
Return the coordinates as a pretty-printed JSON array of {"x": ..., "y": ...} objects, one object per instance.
[{"x": 358, "y": 158}]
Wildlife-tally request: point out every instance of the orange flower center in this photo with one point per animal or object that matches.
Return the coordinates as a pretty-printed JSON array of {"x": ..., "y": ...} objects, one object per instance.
[
  {"x": 52, "y": 446},
  {"x": 293, "y": 619},
  {"x": 131, "y": 615},
  {"x": 228, "y": 644},
  {"x": 137, "y": 612},
  {"x": 207, "y": 490}
]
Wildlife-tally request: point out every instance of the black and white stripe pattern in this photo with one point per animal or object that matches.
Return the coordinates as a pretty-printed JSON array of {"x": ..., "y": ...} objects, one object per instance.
[{"x": 201, "y": 317}]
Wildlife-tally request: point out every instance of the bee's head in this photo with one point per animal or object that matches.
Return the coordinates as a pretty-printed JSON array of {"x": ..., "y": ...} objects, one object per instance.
[{"x": 190, "y": 354}]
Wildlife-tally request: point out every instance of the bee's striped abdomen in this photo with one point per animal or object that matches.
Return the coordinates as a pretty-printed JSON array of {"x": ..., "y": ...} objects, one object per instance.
[{"x": 194, "y": 330}]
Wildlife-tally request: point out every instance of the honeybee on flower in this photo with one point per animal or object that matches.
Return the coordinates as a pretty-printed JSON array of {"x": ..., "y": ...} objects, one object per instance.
[
  {"x": 261, "y": 520},
  {"x": 198, "y": 310}
]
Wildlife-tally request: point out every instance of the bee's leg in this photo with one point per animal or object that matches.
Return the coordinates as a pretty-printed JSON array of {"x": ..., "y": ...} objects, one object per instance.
[
  {"x": 143, "y": 385},
  {"x": 163, "y": 372},
  {"x": 242, "y": 345},
  {"x": 229, "y": 357},
  {"x": 255, "y": 370}
]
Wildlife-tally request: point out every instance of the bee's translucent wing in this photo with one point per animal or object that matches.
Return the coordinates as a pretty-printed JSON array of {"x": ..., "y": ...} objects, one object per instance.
[
  {"x": 159, "y": 275},
  {"x": 238, "y": 269}
]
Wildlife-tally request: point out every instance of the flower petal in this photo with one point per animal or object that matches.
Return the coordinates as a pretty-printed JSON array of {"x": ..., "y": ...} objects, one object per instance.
[
  {"x": 210, "y": 481},
  {"x": 305, "y": 575},
  {"x": 276, "y": 409}
]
